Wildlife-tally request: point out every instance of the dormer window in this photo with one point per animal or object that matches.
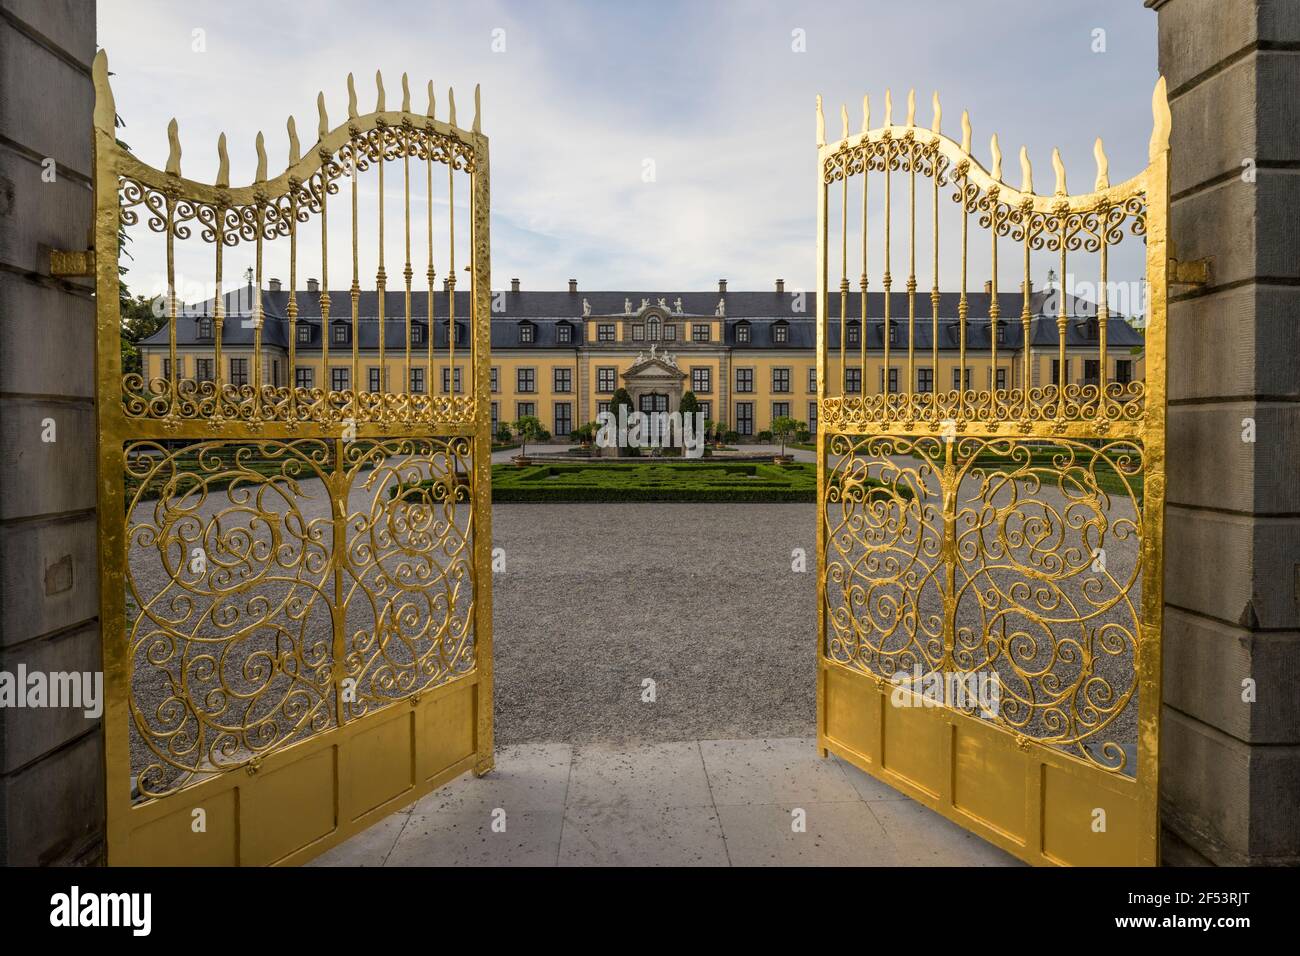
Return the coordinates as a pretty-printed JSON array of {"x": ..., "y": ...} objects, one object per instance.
[
  {"x": 780, "y": 333},
  {"x": 854, "y": 335},
  {"x": 526, "y": 333},
  {"x": 564, "y": 333},
  {"x": 742, "y": 333},
  {"x": 417, "y": 333},
  {"x": 205, "y": 328},
  {"x": 339, "y": 334},
  {"x": 304, "y": 333},
  {"x": 1001, "y": 332},
  {"x": 893, "y": 334}
]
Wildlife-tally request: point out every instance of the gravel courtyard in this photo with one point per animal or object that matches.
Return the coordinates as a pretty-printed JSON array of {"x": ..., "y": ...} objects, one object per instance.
[{"x": 699, "y": 598}]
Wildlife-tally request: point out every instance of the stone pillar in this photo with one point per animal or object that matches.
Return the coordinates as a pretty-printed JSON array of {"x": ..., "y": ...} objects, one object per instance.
[
  {"x": 51, "y": 760},
  {"x": 1230, "y": 768}
]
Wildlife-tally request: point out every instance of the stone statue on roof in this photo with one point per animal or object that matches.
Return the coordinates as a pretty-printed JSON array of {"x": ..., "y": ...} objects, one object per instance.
[
  {"x": 586, "y": 308},
  {"x": 677, "y": 306},
  {"x": 663, "y": 303},
  {"x": 627, "y": 306},
  {"x": 722, "y": 307},
  {"x": 645, "y": 304}
]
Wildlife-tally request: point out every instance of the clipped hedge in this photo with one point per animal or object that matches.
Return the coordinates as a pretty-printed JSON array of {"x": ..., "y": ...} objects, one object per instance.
[{"x": 632, "y": 481}]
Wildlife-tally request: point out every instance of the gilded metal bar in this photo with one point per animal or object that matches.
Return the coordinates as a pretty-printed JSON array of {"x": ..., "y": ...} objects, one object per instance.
[
  {"x": 1062, "y": 326},
  {"x": 1026, "y": 321},
  {"x": 326, "y": 383},
  {"x": 355, "y": 384},
  {"x": 291, "y": 309},
  {"x": 934, "y": 288},
  {"x": 451, "y": 278},
  {"x": 862, "y": 281},
  {"x": 430, "y": 332},
  {"x": 257, "y": 312},
  {"x": 912, "y": 160},
  {"x": 886, "y": 280},
  {"x": 219, "y": 304},
  {"x": 173, "y": 376},
  {"x": 844, "y": 276},
  {"x": 1103, "y": 321},
  {"x": 381, "y": 277},
  {"x": 407, "y": 272},
  {"x": 995, "y": 318}
]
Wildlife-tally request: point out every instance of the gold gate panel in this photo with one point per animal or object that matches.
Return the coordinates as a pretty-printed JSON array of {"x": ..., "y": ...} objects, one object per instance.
[
  {"x": 1005, "y": 538},
  {"x": 295, "y": 580}
]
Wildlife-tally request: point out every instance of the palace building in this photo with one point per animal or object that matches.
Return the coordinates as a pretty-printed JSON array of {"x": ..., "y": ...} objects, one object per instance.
[{"x": 748, "y": 357}]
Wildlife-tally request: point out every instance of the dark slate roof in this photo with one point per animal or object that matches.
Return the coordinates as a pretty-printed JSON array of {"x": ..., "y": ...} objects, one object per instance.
[{"x": 546, "y": 311}]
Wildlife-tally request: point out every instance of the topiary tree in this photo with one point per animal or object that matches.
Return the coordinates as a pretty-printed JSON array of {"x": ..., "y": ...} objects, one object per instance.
[
  {"x": 621, "y": 398},
  {"x": 503, "y": 432},
  {"x": 528, "y": 428},
  {"x": 689, "y": 404},
  {"x": 784, "y": 428}
]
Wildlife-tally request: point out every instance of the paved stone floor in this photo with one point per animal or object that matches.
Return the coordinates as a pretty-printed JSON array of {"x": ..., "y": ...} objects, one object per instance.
[{"x": 686, "y": 803}]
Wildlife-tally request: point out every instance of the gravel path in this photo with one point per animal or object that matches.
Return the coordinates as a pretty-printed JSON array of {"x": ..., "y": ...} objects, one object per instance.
[{"x": 699, "y": 598}]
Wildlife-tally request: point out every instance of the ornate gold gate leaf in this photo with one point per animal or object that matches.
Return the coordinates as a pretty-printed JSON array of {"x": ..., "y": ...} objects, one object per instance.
[
  {"x": 1008, "y": 536},
  {"x": 295, "y": 581}
]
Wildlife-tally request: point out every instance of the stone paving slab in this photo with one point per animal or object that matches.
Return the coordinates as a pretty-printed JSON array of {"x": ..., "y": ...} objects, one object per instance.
[{"x": 676, "y": 803}]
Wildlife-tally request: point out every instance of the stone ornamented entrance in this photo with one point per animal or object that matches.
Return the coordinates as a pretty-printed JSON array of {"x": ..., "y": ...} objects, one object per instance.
[
  {"x": 992, "y": 539},
  {"x": 295, "y": 584},
  {"x": 655, "y": 380}
]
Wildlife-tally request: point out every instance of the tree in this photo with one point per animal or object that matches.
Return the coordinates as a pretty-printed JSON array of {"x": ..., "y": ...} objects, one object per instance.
[
  {"x": 140, "y": 319},
  {"x": 623, "y": 399},
  {"x": 689, "y": 404},
  {"x": 784, "y": 428},
  {"x": 528, "y": 428}
]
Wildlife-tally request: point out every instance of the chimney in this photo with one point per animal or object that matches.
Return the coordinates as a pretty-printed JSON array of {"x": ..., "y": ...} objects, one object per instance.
[
  {"x": 1031, "y": 285},
  {"x": 722, "y": 286},
  {"x": 780, "y": 285},
  {"x": 313, "y": 285},
  {"x": 988, "y": 286},
  {"x": 514, "y": 285},
  {"x": 573, "y": 285},
  {"x": 446, "y": 284},
  {"x": 275, "y": 285}
]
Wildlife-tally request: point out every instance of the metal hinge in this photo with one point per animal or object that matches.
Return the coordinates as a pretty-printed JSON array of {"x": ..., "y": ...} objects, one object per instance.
[
  {"x": 72, "y": 263},
  {"x": 1196, "y": 272}
]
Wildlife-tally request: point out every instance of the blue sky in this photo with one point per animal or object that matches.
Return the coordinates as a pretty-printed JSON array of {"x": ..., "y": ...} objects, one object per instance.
[{"x": 585, "y": 92}]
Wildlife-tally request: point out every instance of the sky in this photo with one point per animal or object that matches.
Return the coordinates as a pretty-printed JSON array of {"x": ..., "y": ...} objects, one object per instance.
[{"x": 580, "y": 99}]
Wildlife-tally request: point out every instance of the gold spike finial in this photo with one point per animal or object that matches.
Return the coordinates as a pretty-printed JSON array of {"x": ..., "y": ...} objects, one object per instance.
[
  {"x": 105, "y": 111},
  {"x": 965, "y": 131},
  {"x": 380, "y": 100},
  {"x": 889, "y": 107},
  {"x": 295, "y": 150},
  {"x": 844, "y": 121},
  {"x": 406, "y": 94},
  {"x": 1103, "y": 166},
  {"x": 352, "y": 98},
  {"x": 260, "y": 146},
  {"x": 223, "y": 163},
  {"x": 1058, "y": 167},
  {"x": 938, "y": 112},
  {"x": 173, "y": 149},
  {"x": 821, "y": 123},
  {"x": 1161, "y": 121},
  {"x": 451, "y": 106},
  {"x": 476, "y": 126},
  {"x": 324, "y": 126},
  {"x": 429, "y": 112},
  {"x": 996, "y": 150},
  {"x": 866, "y": 113},
  {"x": 911, "y": 107},
  {"x": 1026, "y": 172}
]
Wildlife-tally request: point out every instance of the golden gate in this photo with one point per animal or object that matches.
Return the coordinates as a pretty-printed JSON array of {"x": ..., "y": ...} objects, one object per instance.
[
  {"x": 1002, "y": 533},
  {"x": 295, "y": 581}
]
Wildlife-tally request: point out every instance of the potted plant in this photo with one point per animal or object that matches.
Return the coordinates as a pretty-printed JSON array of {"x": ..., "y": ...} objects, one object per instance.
[
  {"x": 784, "y": 428},
  {"x": 528, "y": 428}
]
